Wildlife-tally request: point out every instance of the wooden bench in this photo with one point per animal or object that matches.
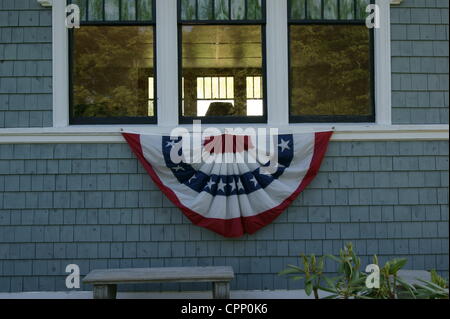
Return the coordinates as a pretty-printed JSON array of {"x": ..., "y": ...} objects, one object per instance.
[{"x": 105, "y": 281}]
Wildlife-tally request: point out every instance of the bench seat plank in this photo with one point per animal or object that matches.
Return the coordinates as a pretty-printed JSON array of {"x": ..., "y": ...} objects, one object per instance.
[{"x": 156, "y": 275}]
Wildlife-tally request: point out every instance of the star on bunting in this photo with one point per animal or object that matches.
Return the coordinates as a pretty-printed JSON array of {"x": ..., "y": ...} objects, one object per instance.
[
  {"x": 210, "y": 185},
  {"x": 284, "y": 145},
  {"x": 221, "y": 186}
]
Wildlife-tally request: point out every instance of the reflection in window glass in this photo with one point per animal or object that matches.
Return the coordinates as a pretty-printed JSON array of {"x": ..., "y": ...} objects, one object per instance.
[
  {"x": 128, "y": 10},
  {"x": 347, "y": 9},
  {"x": 95, "y": 8},
  {"x": 112, "y": 11},
  {"x": 115, "y": 10},
  {"x": 328, "y": 9},
  {"x": 238, "y": 10},
  {"x": 221, "y": 10},
  {"x": 113, "y": 72},
  {"x": 144, "y": 10},
  {"x": 221, "y": 66},
  {"x": 330, "y": 70},
  {"x": 314, "y": 9}
]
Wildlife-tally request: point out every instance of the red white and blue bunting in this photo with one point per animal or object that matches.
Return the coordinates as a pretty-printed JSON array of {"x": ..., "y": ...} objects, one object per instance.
[{"x": 232, "y": 199}]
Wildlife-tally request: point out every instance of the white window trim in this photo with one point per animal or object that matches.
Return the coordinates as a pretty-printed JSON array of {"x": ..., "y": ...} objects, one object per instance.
[
  {"x": 276, "y": 58},
  {"x": 112, "y": 134},
  {"x": 167, "y": 77}
]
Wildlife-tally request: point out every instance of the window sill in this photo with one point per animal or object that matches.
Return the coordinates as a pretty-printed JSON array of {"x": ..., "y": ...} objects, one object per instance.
[{"x": 112, "y": 133}]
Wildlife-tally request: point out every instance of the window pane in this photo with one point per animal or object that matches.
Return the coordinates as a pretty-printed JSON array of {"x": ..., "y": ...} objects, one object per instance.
[
  {"x": 314, "y": 9},
  {"x": 205, "y": 9},
  {"x": 82, "y": 5},
  {"x": 113, "y": 71},
  {"x": 188, "y": 8},
  {"x": 151, "y": 97},
  {"x": 128, "y": 10},
  {"x": 112, "y": 10},
  {"x": 145, "y": 10},
  {"x": 330, "y": 70},
  {"x": 297, "y": 9},
  {"x": 347, "y": 9},
  {"x": 223, "y": 56},
  {"x": 254, "y": 10},
  {"x": 361, "y": 6},
  {"x": 238, "y": 10},
  {"x": 330, "y": 10},
  {"x": 95, "y": 10},
  {"x": 250, "y": 87},
  {"x": 221, "y": 10}
]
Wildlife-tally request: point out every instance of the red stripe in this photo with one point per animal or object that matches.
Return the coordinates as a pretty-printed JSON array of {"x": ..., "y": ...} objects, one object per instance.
[{"x": 235, "y": 227}]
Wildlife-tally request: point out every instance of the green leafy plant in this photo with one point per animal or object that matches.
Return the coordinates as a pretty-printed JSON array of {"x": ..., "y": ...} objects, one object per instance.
[
  {"x": 437, "y": 288},
  {"x": 350, "y": 283},
  {"x": 312, "y": 272},
  {"x": 438, "y": 280},
  {"x": 351, "y": 280}
]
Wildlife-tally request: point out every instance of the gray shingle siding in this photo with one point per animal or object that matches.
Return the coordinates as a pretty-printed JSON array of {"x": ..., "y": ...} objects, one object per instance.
[
  {"x": 420, "y": 35},
  {"x": 100, "y": 209},
  {"x": 25, "y": 64}
]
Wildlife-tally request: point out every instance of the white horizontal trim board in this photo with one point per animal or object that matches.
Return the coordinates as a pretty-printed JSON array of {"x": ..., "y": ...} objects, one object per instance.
[
  {"x": 188, "y": 295},
  {"x": 112, "y": 134}
]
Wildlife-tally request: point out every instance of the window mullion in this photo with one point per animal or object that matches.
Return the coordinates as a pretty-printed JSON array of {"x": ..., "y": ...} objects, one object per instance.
[
  {"x": 60, "y": 64},
  {"x": 383, "y": 98},
  {"x": 167, "y": 65},
  {"x": 277, "y": 63}
]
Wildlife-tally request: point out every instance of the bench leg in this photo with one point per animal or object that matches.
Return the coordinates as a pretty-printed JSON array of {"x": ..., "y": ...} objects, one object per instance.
[
  {"x": 105, "y": 291},
  {"x": 221, "y": 290}
]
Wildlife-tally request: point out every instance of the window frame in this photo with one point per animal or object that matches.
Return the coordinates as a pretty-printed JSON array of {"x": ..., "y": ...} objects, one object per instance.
[
  {"x": 223, "y": 119},
  {"x": 114, "y": 119},
  {"x": 298, "y": 119},
  {"x": 277, "y": 78}
]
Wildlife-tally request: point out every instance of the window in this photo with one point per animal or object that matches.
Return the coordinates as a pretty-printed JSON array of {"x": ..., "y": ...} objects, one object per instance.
[
  {"x": 113, "y": 63},
  {"x": 222, "y": 61},
  {"x": 282, "y": 99},
  {"x": 331, "y": 61}
]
